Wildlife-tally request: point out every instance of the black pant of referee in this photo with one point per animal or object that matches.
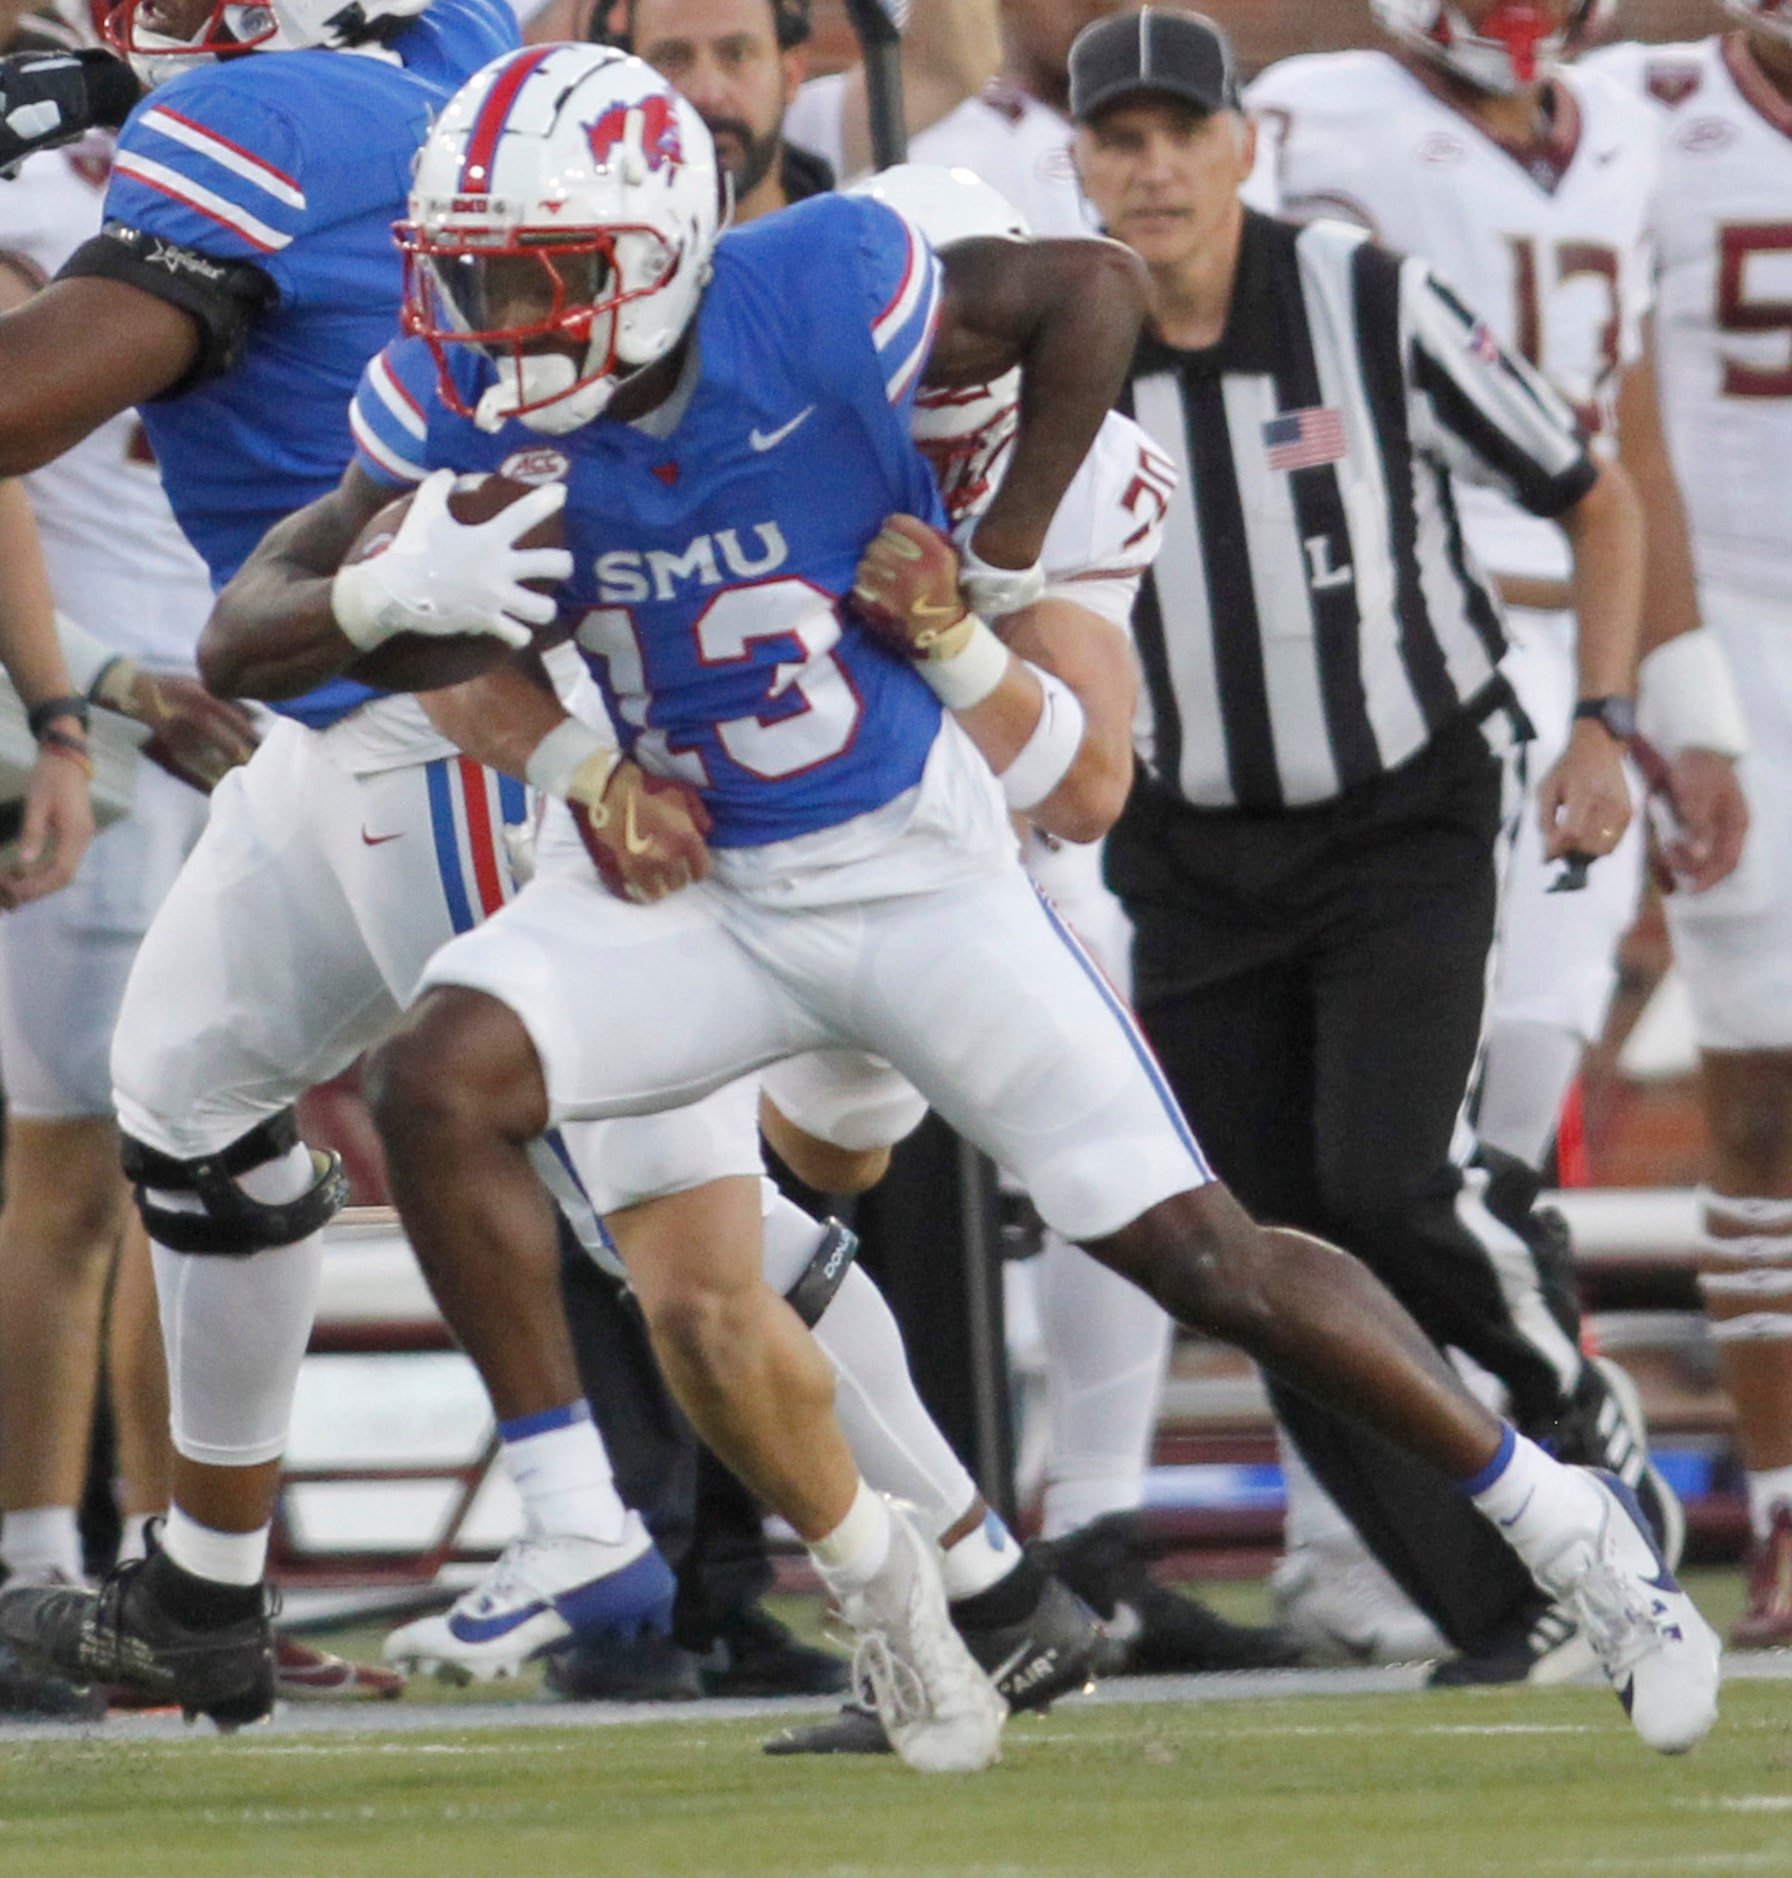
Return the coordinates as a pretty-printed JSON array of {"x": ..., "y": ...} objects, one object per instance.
[{"x": 1313, "y": 982}]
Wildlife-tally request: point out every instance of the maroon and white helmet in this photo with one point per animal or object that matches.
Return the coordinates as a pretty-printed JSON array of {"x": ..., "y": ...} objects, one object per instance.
[
  {"x": 1769, "y": 16},
  {"x": 1512, "y": 45},
  {"x": 965, "y": 431}
]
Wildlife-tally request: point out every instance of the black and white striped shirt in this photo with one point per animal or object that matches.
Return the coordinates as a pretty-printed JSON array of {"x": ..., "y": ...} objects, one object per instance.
[{"x": 1314, "y": 617}]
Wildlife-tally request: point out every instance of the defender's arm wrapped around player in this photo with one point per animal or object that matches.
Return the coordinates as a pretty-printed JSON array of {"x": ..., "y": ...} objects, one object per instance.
[{"x": 1048, "y": 702}]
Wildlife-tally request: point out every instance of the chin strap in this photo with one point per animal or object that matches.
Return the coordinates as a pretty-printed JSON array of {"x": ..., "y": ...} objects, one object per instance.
[{"x": 550, "y": 383}]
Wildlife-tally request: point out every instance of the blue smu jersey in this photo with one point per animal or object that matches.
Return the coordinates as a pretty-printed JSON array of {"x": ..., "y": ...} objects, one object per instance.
[
  {"x": 708, "y": 564},
  {"x": 298, "y": 162}
]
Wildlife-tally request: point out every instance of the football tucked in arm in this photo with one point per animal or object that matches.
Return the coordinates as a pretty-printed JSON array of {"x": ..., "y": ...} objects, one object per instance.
[{"x": 422, "y": 662}]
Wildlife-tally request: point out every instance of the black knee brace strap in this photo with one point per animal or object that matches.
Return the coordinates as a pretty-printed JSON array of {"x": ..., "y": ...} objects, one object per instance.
[
  {"x": 233, "y": 1225},
  {"x": 814, "y": 1291}
]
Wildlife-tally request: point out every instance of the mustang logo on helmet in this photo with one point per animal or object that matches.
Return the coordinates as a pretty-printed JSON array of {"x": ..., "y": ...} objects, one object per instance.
[{"x": 649, "y": 126}]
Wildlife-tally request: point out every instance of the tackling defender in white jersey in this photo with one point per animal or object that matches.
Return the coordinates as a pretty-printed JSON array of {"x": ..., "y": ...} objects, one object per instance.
[{"x": 1723, "y": 235}]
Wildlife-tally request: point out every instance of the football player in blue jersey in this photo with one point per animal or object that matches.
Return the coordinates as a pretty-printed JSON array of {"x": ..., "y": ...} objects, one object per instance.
[
  {"x": 860, "y": 886},
  {"x": 244, "y": 277}
]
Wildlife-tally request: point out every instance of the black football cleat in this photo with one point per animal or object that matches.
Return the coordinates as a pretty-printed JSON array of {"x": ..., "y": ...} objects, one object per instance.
[
  {"x": 124, "y": 1634},
  {"x": 1542, "y": 1644},
  {"x": 1032, "y": 1659},
  {"x": 756, "y": 1657},
  {"x": 1150, "y": 1629},
  {"x": 647, "y": 1667},
  {"x": 34, "y": 1694}
]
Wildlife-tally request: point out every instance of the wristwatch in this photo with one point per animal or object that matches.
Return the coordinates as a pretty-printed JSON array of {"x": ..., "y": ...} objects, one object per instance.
[{"x": 1615, "y": 715}]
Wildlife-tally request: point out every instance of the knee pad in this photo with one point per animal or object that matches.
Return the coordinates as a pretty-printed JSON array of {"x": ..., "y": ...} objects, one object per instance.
[
  {"x": 826, "y": 1271},
  {"x": 232, "y": 1224}
]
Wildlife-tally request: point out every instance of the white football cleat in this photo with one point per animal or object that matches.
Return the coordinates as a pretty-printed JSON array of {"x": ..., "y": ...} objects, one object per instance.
[
  {"x": 1335, "y": 1598},
  {"x": 940, "y": 1711},
  {"x": 543, "y": 1594},
  {"x": 1658, "y": 1652}
]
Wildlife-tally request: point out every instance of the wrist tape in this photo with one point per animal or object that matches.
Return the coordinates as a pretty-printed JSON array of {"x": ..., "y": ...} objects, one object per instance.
[
  {"x": 1686, "y": 698},
  {"x": 971, "y": 673},
  {"x": 555, "y": 763}
]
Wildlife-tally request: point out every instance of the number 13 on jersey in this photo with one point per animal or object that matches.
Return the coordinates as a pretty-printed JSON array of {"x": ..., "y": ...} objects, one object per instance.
[{"x": 784, "y": 631}]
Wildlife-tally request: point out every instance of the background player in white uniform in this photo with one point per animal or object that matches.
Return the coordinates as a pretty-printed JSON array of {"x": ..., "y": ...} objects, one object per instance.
[
  {"x": 839, "y": 879},
  {"x": 1530, "y": 194},
  {"x": 1014, "y": 133},
  {"x": 1723, "y": 234},
  {"x": 1528, "y": 188},
  {"x": 119, "y": 565}
]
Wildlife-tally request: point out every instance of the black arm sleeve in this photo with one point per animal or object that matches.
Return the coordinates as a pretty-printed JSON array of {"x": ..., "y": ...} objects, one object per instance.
[{"x": 224, "y": 299}]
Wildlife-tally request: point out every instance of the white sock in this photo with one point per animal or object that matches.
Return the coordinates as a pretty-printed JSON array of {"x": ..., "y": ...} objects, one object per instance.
[
  {"x": 226, "y": 1558},
  {"x": 562, "y": 1474},
  {"x": 983, "y": 1557},
  {"x": 1538, "y": 1504},
  {"x": 896, "y": 1443},
  {"x": 1106, "y": 1345},
  {"x": 853, "y": 1554},
  {"x": 1768, "y": 1489},
  {"x": 42, "y": 1542}
]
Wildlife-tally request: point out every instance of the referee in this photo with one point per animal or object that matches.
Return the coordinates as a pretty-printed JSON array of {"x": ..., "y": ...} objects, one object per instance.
[{"x": 1311, "y": 856}]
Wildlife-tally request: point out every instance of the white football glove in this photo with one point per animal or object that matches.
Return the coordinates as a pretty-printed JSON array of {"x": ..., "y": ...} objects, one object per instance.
[{"x": 441, "y": 577}]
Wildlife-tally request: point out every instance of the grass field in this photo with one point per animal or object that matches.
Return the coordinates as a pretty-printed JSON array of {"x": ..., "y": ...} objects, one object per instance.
[{"x": 1485, "y": 1782}]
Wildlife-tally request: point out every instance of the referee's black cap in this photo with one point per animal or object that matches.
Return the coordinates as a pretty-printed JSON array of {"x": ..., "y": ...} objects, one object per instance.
[{"x": 1167, "y": 50}]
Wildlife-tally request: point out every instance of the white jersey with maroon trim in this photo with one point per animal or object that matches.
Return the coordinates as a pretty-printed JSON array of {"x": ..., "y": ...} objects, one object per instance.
[
  {"x": 117, "y": 561},
  {"x": 1723, "y": 231},
  {"x": 1110, "y": 524},
  {"x": 1004, "y": 135},
  {"x": 1550, "y": 247}
]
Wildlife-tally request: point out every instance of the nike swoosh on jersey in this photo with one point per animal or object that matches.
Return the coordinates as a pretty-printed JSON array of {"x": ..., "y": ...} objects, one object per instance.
[
  {"x": 770, "y": 439},
  {"x": 379, "y": 841}
]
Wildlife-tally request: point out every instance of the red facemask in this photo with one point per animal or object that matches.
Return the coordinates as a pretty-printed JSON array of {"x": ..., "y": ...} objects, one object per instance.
[{"x": 1521, "y": 27}]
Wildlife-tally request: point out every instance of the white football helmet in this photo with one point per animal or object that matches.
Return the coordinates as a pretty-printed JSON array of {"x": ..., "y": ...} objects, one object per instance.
[
  {"x": 566, "y": 193},
  {"x": 965, "y": 432},
  {"x": 1769, "y": 16},
  {"x": 162, "y": 38},
  {"x": 1512, "y": 44}
]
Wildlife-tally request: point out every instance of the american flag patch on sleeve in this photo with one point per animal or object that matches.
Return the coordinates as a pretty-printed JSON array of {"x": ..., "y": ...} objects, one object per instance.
[
  {"x": 1483, "y": 345},
  {"x": 1304, "y": 439}
]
